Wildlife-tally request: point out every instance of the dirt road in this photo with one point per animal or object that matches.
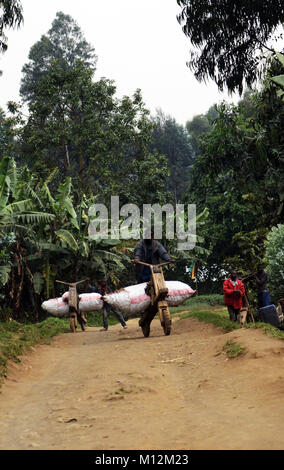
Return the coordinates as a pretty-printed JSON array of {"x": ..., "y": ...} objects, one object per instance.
[{"x": 118, "y": 390}]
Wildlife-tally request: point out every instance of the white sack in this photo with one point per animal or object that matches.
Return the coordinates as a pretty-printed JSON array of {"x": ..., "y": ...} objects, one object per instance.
[
  {"x": 178, "y": 293},
  {"x": 87, "y": 303},
  {"x": 56, "y": 307},
  {"x": 90, "y": 302},
  {"x": 133, "y": 299}
]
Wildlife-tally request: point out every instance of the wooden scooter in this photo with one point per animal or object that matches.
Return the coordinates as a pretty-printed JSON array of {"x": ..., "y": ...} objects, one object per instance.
[
  {"x": 158, "y": 291},
  {"x": 75, "y": 315}
]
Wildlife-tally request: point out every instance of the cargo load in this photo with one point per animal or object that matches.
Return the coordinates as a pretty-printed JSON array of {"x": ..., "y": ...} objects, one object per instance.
[
  {"x": 133, "y": 299},
  {"x": 56, "y": 307},
  {"x": 59, "y": 307}
]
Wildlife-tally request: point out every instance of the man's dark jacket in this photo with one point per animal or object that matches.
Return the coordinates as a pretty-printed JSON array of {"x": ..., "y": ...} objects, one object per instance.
[{"x": 158, "y": 253}]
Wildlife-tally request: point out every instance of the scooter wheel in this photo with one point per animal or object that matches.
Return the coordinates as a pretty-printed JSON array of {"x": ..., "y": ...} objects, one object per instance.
[
  {"x": 73, "y": 324},
  {"x": 167, "y": 322}
]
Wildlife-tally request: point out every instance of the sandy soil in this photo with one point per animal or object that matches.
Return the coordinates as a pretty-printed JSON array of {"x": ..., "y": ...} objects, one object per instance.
[{"x": 118, "y": 390}]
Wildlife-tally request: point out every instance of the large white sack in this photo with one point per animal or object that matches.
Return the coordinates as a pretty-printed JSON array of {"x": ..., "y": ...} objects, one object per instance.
[
  {"x": 56, "y": 307},
  {"x": 131, "y": 299},
  {"x": 178, "y": 292},
  {"x": 89, "y": 302},
  {"x": 59, "y": 307}
]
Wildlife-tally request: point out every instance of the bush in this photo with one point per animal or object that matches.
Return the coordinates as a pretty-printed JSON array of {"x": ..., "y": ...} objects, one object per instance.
[
  {"x": 274, "y": 258},
  {"x": 96, "y": 318},
  {"x": 212, "y": 299}
]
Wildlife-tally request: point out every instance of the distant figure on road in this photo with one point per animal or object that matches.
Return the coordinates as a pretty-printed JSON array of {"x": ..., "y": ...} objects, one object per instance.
[
  {"x": 104, "y": 289},
  {"x": 234, "y": 291}
]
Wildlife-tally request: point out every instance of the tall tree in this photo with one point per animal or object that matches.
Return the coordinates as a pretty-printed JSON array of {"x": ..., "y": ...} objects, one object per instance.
[
  {"x": 172, "y": 140},
  {"x": 238, "y": 176},
  {"x": 65, "y": 44},
  {"x": 5, "y": 133},
  {"x": 79, "y": 125},
  {"x": 198, "y": 126},
  {"x": 230, "y": 36}
]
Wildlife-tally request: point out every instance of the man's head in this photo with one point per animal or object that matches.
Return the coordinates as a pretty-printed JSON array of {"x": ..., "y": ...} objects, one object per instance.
[
  {"x": 260, "y": 267},
  {"x": 149, "y": 236},
  {"x": 234, "y": 274}
]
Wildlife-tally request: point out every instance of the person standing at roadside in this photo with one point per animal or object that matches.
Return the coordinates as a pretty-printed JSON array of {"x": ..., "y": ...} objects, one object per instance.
[
  {"x": 263, "y": 294},
  {"x": 234, "y": 291}
]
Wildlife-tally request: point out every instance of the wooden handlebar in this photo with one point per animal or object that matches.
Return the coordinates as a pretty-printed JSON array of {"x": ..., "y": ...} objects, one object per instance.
[
  {"x": 72, "y": 284},
  {"x": 153, "y": 265}
]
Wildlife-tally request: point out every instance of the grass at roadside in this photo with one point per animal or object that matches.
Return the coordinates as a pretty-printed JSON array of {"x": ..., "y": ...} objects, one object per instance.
[
  {"x": 233, "y": 349},
  {"x": 16, "y": 338},
  {"x": 96, "y": 319},
  {"x": 218, "y": 316},
  {"x": 205, "y": 313}
]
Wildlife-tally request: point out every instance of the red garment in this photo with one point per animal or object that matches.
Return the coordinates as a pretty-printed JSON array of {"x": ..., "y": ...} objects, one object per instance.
[{"x": 229, "y": 297}]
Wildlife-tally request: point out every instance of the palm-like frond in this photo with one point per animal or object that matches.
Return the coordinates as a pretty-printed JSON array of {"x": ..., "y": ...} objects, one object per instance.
[
  {"x": 33, "y": 217},
  {"x": 4, "y": 274},
  {"x": 68, "y": 238}
]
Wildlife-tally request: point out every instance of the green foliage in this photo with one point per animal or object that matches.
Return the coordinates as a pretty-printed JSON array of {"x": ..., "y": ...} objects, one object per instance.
[
  {"x": 218, "y": 320},
  {"x": 274, "y": 257},
  {"x": 199, "y": 125},
  {"x": 212, "y": 299},
  {"x": 228, "y": 40},
  {"x": 95, "y": 319},
  {"x": 78, "y": 125},
  {"x": 279, "y": 79},
  {"x": 11, "y": 16},
  {"x": 78, "y": 145},
  {"x": 49, "y": 246},
  {"x": 173, "y": 141},
  {"x": 238, "y": 177},
  {"x": 233, "y": 349},
  {"x": 64, "y": 45},
  {"x": 6, "y": 243}
]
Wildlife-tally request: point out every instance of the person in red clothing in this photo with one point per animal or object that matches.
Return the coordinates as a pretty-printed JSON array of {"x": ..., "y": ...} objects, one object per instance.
[{"x": 234, "y": 291}]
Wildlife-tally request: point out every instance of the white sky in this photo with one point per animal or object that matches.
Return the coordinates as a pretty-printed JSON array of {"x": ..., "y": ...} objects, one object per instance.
[{"x": 139, "y": 44}]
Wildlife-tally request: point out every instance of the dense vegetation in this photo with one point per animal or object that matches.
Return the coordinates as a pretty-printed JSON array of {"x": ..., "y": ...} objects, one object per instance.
[
  {"x": 229, "y": 38},
  {"x": 238, "y": 176},
  {"x": 78, "y": 144}
]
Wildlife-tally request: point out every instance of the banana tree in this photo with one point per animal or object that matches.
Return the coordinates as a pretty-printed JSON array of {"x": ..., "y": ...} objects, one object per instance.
[
  {"x": 20, "y": 216},
  {"x": 69, "y": 231}
]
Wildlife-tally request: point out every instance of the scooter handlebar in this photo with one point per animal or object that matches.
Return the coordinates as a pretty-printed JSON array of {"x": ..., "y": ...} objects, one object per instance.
[
  {"x": 137, "y": 261},
  {"x": 72, "y": 284}
]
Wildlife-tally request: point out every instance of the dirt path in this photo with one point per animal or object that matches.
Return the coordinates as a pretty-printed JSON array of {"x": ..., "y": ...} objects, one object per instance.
[{"x": 118, "y": 390}]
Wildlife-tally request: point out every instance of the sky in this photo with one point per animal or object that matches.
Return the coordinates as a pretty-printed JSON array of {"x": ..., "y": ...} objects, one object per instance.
[{"x": 139, "y": 44}]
